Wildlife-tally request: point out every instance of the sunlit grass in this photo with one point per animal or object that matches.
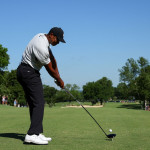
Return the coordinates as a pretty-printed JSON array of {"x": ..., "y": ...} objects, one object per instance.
[{"x": 74, "y": 129}]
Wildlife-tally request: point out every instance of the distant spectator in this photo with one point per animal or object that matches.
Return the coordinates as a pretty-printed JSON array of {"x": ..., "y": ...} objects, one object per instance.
[
  {"x": 15, "y": 103},
  {"x": 6, "y": 100},
  {"x": 3, "y": 100},
  {"x": 147, "y": 107}
]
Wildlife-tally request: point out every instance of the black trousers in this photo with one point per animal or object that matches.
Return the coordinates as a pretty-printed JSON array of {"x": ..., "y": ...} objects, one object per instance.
[{"x": 30, "y": 80}]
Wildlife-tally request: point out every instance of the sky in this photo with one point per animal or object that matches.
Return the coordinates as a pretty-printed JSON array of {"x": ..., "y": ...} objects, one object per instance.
[{"x": 100, "y": 35}]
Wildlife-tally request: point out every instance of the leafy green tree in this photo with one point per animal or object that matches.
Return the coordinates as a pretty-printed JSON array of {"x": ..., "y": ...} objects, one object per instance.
[
  {"x": 121, "y": 91},
  {"x": 105, "y": 89},
  {"x": 100, "y": 90},
  {"x": 61, "y": 96},
  {"x": 49, "y": 93},
  {"x": 68, "y": 86},
  {"x": 130, "y": 71},
  {"x": 15, "y": 89},
  {"x": 143, "y": 63},
  {"x": 135, "y": 74},
  {"x": 129, "y": 74},
  {"x": 4, "y": 61},
  {"x": 4, "y": 90},
  {"x": 89, "y": 92},
  {"x": 4, "y": 58},
  {"x": 143, "y": 85},
  {"x": 74, "y": 89}
]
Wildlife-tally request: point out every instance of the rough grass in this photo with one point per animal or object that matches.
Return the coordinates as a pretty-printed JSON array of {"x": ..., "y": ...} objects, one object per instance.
[{"x": 73, "y": 129}]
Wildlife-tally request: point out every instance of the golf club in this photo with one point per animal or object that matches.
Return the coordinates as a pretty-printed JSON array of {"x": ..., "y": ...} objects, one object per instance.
[{"x": 110, "y": 136}]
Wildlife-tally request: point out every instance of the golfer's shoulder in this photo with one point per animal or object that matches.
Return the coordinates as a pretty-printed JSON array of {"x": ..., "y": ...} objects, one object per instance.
[
  {"x": 39, "y": 41},
  {"x": 37, "y": 46},
  {"x": 38, "y": 38}
]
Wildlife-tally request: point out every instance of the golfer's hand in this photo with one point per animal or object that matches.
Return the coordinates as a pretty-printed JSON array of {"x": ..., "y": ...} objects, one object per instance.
[{"x": 60, "y": 83}]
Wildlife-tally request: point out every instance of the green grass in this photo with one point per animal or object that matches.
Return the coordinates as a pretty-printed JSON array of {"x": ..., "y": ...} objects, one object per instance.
[{"x": 73, "y": 129}]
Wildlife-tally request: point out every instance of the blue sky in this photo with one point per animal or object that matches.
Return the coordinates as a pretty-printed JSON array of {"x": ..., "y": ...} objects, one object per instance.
[{"x": 100, "y": 34}]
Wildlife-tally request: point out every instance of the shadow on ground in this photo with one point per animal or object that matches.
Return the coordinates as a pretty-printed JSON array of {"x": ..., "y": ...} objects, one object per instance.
[
  {"x": 130, "y": 106},
  {"x": 17, "y": 136},
  {"x": 13, "y": 135}
]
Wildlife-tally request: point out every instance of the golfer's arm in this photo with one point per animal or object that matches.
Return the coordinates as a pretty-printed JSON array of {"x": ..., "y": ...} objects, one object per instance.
[
  {"x": 52, "y": 72},
  {"x": 53, "y": 60}
]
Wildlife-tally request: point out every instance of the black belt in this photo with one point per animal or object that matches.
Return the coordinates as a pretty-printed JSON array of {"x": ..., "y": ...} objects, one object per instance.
[{"x": 24, "y": 64}]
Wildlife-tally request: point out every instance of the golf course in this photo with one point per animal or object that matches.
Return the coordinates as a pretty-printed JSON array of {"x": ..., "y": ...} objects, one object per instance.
[{"x": 74, "y": 129}]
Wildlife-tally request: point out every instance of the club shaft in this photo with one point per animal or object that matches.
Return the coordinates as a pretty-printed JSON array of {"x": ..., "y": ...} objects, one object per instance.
[{"x": 85, "y": 110}]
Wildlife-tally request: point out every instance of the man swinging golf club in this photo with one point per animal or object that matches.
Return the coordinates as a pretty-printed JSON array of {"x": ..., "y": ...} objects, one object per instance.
[{"x": 36, "y": 55}]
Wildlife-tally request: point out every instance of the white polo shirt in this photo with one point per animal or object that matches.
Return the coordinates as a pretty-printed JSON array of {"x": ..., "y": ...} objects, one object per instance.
[{"x": 36, "y": 53}]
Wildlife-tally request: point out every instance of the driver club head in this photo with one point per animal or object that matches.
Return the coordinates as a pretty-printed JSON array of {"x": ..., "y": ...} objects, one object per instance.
[{"x": 110, "y": 136}]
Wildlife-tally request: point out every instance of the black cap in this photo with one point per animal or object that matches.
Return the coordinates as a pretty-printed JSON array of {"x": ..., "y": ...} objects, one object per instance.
[{"x": 59, "y": 33}]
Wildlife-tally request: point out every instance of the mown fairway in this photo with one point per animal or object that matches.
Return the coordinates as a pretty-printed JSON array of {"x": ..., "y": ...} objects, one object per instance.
[{"x": 74, "y": 129}]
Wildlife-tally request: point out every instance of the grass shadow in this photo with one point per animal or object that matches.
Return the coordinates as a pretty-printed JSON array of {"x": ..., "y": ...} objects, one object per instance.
[
  {"x": 130, "y": 106},
  {"x": 13, "y": 135}
]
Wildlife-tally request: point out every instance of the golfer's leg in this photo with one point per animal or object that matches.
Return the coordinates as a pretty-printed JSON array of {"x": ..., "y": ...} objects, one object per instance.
[
  {"x": 36, "y": 104},
  {"x": 32, "y": 85},
  {"x": 30, "y": 104}
]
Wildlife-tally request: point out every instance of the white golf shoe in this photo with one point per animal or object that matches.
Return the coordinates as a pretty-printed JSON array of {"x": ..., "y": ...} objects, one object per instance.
[
  {"x": 42, "y": 137},
  {"x": 35, "y": 139}
]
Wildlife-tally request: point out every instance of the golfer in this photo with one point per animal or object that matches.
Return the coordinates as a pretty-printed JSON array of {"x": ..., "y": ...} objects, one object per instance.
[{"x": 36, "y": 55}]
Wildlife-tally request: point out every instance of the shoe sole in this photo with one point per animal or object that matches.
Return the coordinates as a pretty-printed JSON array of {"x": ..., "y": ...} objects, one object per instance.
[
  {"x": 48, "y": 140},
  {"x": 30, "y": 142}
]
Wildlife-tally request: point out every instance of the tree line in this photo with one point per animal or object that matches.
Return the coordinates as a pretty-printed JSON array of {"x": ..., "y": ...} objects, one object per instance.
[{"x": 134, "y": 85}]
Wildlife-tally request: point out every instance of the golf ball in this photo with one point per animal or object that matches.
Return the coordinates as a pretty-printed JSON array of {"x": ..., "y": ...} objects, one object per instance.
[{"x": 110, "y": 130}]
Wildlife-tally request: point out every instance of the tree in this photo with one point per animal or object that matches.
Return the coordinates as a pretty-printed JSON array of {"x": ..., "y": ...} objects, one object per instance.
[
  {"x": 121, "y": 91},
  {"x": 52, "y": 96},
  {"x": 74, "y": 89},
  {"x": 135, "y": 74},
  {"x": 61, "y": 96},
  {"x": 143, "y": 63},
  {"x": 49, "y": 93},
  {"x": 4, "y": 90},
  {"x": 100, "y": 90},
  {"x": 89, "y": 92},
  {"x": 105, "y": 89},
  {"x": 4, "y": 58},
  {"x": 15, "y": 89},
  {"x": 143, "y": 85},
  {"x": 129, "y": 72},
  {"x": 4, "y": 61}
]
